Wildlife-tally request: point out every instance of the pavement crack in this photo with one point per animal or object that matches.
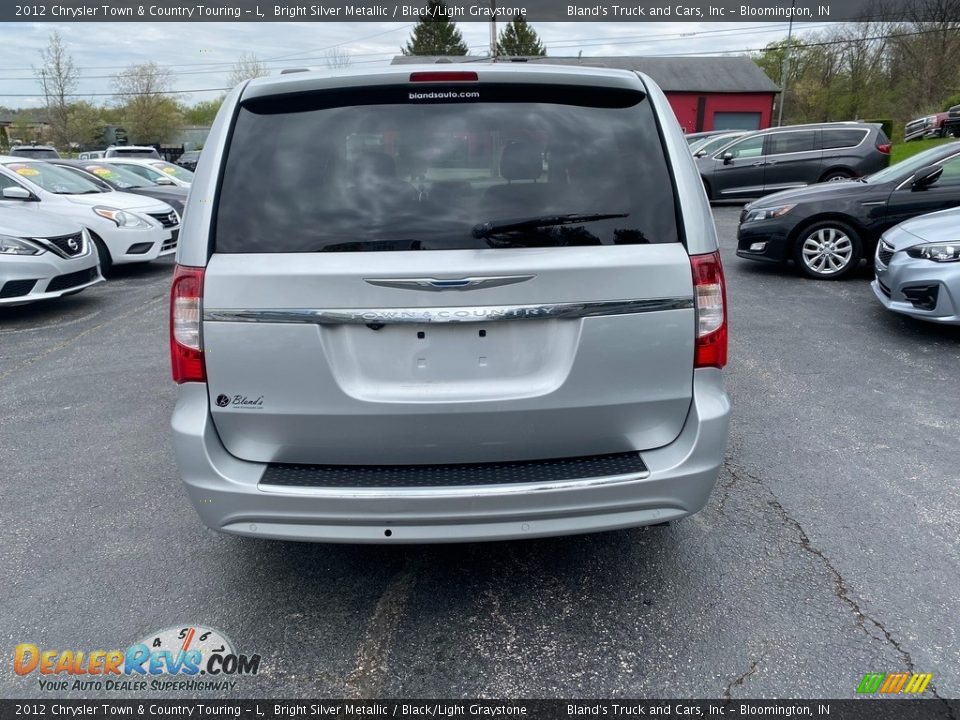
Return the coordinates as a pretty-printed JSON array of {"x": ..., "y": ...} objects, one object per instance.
[
  {"x": 367, "y": 678},
  {"x": 737, "y": 476},
  {"x": 864, "y": 620},
  {"x": 740, "y": 680},
  {"x": 871, "y": 626}
]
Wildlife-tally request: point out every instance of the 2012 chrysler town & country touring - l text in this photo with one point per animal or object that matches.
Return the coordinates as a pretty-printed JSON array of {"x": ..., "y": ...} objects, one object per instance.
[{"x": 427, "y": 304}]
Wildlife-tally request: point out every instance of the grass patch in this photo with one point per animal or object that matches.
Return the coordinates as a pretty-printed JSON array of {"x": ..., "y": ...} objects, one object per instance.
[{"x": 901, "y": 151}]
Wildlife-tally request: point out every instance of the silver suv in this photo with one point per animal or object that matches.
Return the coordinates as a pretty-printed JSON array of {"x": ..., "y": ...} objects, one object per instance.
[{"x": 422, "y": 305}]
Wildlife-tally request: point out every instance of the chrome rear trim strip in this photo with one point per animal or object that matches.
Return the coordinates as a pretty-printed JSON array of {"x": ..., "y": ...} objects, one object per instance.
[
  {"x": 394, "y": 316},
  {"x": 440, "y": 491}
]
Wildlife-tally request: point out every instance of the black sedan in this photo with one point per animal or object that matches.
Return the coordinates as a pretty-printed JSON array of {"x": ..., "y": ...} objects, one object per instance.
[
  {"x": 827, "y": 229},
  {"x": 115, "y": 177},
  {"x": 189, "y": 160}
]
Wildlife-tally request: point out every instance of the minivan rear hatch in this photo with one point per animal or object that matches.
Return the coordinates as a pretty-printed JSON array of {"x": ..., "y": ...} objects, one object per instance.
[{"x": 448, "y": 271}]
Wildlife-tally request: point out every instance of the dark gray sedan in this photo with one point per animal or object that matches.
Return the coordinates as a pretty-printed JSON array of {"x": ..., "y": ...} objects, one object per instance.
[{"x": 918, "y": 268}]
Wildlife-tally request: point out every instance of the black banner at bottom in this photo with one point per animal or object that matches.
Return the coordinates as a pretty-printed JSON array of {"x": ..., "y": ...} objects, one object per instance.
[{"x": 862, "y": 709}]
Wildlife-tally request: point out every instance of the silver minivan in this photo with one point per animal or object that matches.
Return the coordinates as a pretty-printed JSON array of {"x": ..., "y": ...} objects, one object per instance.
[{"x": 423, "y": 304}]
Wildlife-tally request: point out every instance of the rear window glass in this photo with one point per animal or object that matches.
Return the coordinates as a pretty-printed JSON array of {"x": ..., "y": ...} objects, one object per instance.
[
  {"x": 393, "y": 169},
  {"x": 135, "y": 152},
  {"x": 832, "y": 139},
  {"x": 35, "y": 152}
]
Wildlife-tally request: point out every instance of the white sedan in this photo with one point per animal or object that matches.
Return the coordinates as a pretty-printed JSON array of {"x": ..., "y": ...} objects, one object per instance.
[
  {"x": 124, "y": 228},
  {"x": 43, "y": 256}
]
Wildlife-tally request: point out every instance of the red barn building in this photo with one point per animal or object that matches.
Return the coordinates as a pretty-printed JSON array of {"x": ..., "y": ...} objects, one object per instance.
[{"x": 706, "y": 93}]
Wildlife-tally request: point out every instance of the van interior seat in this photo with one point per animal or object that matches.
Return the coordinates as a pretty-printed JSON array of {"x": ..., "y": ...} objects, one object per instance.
[{"x": 521, "y": 165}]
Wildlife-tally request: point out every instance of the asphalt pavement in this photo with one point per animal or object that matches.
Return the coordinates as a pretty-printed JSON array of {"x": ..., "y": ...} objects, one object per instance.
[{"x": 830, "y": 547}]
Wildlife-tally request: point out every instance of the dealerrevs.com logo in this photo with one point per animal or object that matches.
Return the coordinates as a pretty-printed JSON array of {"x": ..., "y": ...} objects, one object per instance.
[{"x": 186, "y": 658}]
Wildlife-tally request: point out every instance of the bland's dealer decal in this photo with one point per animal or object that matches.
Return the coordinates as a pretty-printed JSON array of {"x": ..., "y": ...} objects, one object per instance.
[
  {"x": 178, "y": 658},
  {"x": 240, "y": 402}
]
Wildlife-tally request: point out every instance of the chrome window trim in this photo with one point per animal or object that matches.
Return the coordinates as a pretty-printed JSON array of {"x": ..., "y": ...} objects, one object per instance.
[
  {"x": 777, "y": 131},
  {"x": 488, "y": 313},
  {"x": 938, "y": 162}
]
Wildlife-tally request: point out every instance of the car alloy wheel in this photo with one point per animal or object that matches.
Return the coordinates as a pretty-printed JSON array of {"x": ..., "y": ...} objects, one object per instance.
[
  {"x": 828, "y": 251},
  {"x": 837, "y": 176}
]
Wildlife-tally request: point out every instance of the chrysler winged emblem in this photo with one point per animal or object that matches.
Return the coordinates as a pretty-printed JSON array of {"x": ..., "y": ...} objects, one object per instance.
[{"x": 443, "y": 284}]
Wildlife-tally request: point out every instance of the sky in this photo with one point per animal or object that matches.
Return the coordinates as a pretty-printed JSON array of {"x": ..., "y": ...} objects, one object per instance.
[{"x": 200, "y": 54}]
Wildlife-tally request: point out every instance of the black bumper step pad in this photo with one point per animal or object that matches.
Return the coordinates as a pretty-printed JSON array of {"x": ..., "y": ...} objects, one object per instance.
[{"x": 460, "y": 475}]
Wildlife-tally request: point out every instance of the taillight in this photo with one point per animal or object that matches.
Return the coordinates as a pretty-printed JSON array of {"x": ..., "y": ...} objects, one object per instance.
[
  {"x": 444, "y": 76},
  {"x": 186, "y": 350},
  {"x": 884, "y": 148},
  {"x": 710, "y": 298}
]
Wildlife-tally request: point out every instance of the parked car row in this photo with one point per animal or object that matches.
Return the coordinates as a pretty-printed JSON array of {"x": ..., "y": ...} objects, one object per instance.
[
  {"x": 828, "y": 229},
  {"x": 941, "y": 124},
  {"x": 952, "y": 124},
  {"x": 931, "y": 126},
  {"x": 906, "y": 218},
  {"x": 65, "y": 223}
]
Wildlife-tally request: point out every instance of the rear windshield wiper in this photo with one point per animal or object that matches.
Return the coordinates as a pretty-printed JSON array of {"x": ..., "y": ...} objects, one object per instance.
[{"x": 493, "y": 227}]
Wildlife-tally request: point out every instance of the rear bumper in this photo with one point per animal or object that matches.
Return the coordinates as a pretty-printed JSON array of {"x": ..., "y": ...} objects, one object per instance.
[{"x": 228, "y": 495}]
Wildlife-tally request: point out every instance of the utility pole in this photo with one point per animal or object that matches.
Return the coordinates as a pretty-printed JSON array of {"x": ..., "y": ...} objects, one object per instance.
[
  {"x": 493, "y": 30},
  {"x": 786, "y": 66}
]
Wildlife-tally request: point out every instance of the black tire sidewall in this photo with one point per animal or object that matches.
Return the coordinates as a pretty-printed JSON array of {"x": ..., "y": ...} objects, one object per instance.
[
  {"x": 842, "y": 227},
  {"x": 103, "y": 253},
  {"x": 836, "y": 175}
]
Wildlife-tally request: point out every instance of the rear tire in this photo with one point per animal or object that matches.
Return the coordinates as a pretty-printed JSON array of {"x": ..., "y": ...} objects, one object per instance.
[
  {"x": 836, "y": 176},
  {"x": 828, "y": 250},
  {"x": 106, "y": 260},
  {"x": 706, "y": 188}
]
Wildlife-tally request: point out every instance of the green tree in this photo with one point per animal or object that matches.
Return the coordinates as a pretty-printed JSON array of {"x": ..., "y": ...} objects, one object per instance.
[
  {"x": 435, "y": 34},
  {"x": 870, "y": 69},
  {"x": 85, "y": 121},
  {"x": 23, "y": 129},
  {"x": 518, "y": 39},
  {"x": 203, "y": 112},
  {"x": 150, "y": 110},
  {"x": 770, "y": 60}
]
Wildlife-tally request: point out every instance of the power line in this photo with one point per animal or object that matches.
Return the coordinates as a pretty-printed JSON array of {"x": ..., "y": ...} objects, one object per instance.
[
  {"x": 313, "y": 54},
  {"x": 825, "y": 43},
  {"x": 123, "y": 94},
  {"x": 229, "y": 63}
]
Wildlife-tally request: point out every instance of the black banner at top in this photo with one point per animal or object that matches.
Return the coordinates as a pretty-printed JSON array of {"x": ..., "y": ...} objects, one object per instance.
[{"x": 480, "y": 11}]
